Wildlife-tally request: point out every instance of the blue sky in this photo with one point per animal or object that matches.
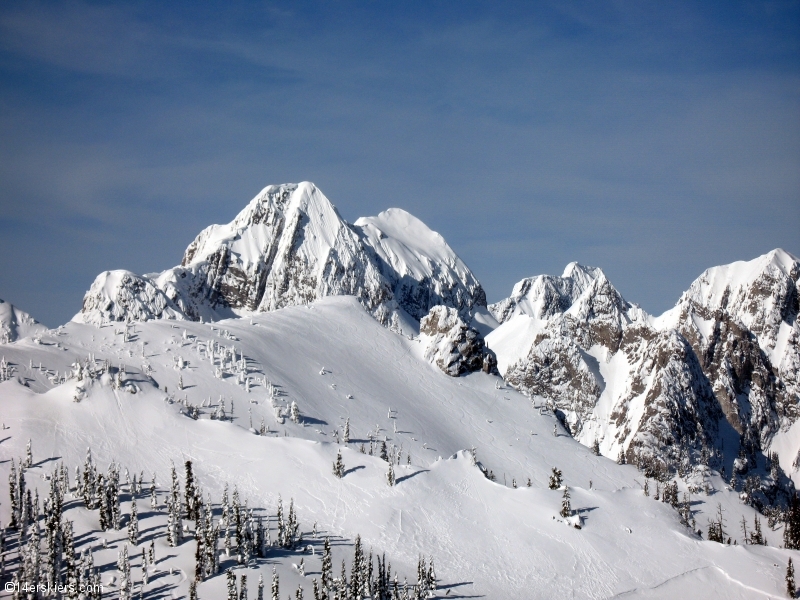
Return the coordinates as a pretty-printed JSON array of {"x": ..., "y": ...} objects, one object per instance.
[{"x": 652, "y": 139}]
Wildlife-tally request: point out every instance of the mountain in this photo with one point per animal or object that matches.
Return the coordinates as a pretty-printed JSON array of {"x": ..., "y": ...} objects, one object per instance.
[
  {"x": 472, "y": 461},
  {"x": 16, "y": 323},
  {"x": 712, "y": 381},
  {"x": 288, "y": 247}
]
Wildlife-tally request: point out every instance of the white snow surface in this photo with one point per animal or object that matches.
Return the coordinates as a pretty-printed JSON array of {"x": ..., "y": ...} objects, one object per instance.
[
  {"x": 336, "y": 361},
  {"x": 16, "y": 324}
]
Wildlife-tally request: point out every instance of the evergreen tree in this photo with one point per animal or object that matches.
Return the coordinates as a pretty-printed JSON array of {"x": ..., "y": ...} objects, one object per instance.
[
  {"x": 621, "y": 460},
  {"x": 596, "y": 448},
  {"x": 192, "y": 590},
  {"x": 646, "y": 486},
  {"x": 294, "y": 412},
  {"x": 338, "y": 466},
  {"x": 28, "y": 456},
  {"x": 384, "y": 455},
  {"x": 566, "y": 509},
  {"x": 390, "y": 476},
  {"x": 555, "y": 479},
  {"x": 346, "y": 436},
  {"x": 190, "y": 492},
  {"x": 133, "y": 525},
  {"x": 791, "y": 588},
  {"x": 791, "y": 532},
  {"x": 756, "y": 537},
  {"x": 275, "y": 585},
  {"x": 261, "y": 587},
  {"x": 231, "y": 581},
  {"x": 153, "y": 498},
  {"x": 327, "y": 567},
  {"x": 243, "y": 587}
]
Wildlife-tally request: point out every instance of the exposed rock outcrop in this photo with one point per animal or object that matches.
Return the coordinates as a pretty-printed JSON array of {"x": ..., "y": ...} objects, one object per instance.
[{"x": 452, "y": 345}]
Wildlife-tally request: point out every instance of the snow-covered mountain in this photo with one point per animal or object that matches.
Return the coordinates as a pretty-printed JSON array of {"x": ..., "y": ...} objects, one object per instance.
[
  {"x": 288, "y": 247},
  {"x": 16, "y": 323},
  {"x": 713, "y": 380},
  {"x": 407, "y": 447}
]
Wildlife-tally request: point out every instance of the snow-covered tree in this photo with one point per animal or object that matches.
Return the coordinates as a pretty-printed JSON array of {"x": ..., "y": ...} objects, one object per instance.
[
  {"x": 346, "y": 436},
  {"x": 566, "y": 509},
  {"x": 555, "y": 479},
  {"x": 338, "y": 465},
  {"x": 243, "y": 587},
  {"x": 791, "y": 587},
  {"x": 390, "y": 476},
  {"x": 133, "y": 525},
  {"x": 276, "y": 590},
  {"x": 791, "y": 532},
  {"x": 231, "y": 584},
  {"x": 294, "y": 412}
]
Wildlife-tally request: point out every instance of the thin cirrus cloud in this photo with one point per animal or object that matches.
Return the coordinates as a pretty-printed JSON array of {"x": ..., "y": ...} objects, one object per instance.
[{"x": 652, "y": 140}]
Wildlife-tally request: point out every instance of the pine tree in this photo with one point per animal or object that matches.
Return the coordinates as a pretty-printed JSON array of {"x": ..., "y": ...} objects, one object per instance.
[
  {"x": 192, "y": 590},
  {"x": 346, "y": 436},
  {"x": 261, "y": 587},
  {"x": 566, "y": 509},
  {"x": 384, "y": 454},
  {"x": 596, "y": 448},
  {"x": 275, "y": 585},
  {"x": 338, "y": 466},
  {"x": 390, "y": 476},
  {"x": 28, "y": 456},
  {"x": 190, "y": 492},
  {"x": 327, "y": 567},
  {"x": 791, "y": 532},
  {"x": 133, "y": 525},
  {"x": 646, "y": 486},
  {"x": 153, "y": 498},
  {"x": 231, "y": 580},
  {"x": 243, "y": 587},
  {"x": 621, "y": 460},
  {"x": 756, "y": 537},
  {"x": 294, "y": 412},
  {"x": 791, "y": 588},
  {"x": 555, "y": 479}
]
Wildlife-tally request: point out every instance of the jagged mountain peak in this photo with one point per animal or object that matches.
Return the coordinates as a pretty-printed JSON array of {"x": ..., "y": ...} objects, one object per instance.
[
  {"x": 291, "y": 246},
  {"x": 544, "y": 297}
]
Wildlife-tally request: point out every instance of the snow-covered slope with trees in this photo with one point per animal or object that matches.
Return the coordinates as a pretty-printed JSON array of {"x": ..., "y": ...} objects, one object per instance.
[
  {"x": 266, "y": 404},
  {"x": 16, "y": 323},
  {"x": 289, "y": 246}
]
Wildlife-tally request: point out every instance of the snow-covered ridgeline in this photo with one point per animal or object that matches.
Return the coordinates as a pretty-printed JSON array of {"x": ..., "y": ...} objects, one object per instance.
[
  {"x": 658, "y": 388},
  {"x": 290, "y": 246}
]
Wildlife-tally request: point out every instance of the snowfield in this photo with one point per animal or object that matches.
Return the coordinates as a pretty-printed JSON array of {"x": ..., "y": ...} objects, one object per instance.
[{"x": 336, "y": 362}]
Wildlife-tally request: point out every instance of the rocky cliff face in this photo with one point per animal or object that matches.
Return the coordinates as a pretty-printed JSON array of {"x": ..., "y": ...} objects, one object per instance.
[
  {"x": 452, "y": 345},
  {"x": 290, "y": 246},
  {"x": 665, "y": 391}
]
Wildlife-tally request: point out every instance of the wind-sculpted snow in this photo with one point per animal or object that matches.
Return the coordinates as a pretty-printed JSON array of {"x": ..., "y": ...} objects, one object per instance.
[
  {"x": 290, "y": 247},
  {"x": 655, "y": 389},
  {"x": 16, "y": 323}
]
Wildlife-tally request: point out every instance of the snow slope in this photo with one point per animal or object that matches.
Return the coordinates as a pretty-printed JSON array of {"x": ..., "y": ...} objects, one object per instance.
[
  {"x": 16, "y": 324},
  {"x": 337, "y": 362}
]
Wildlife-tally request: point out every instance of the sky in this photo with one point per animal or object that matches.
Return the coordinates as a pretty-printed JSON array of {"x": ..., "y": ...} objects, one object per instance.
[{"x": 652, "y": 139}]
